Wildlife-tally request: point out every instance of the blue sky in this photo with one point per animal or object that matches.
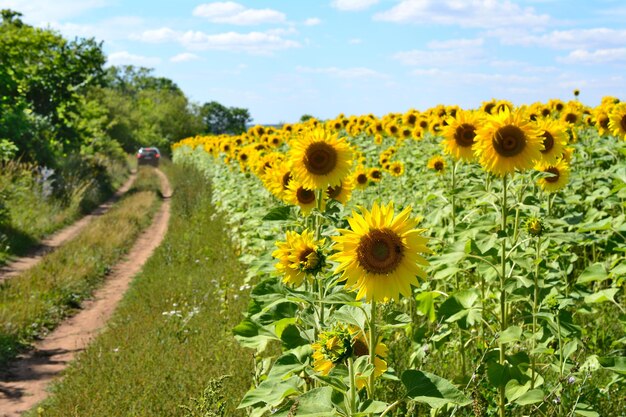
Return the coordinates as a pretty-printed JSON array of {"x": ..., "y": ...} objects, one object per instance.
[{"x": 282, "y": 59}]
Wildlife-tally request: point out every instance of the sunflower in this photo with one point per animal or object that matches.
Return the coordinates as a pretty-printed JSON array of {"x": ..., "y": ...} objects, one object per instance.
[
  {"x": 557, "y": 180},
  {"x": 507, "y": 142},
  {"x": 600, "y": 118},
  {"x": 320, "y": 158},
  {"x": 553, "y": 133},
  {"x": 437, "y": 164},
  {"x": 300, "y": 196},
  {"x": 617, "y": 121},
  {"x": 396, "y": 168},
  {"x": 335, "y": 346},
  {"x": 299, "y": 256},
  {"x": 361, "y": 177},
  {"x": 341, "y": 192},
  {"x": 459, "y": 135},
  {"x": 331, "y": 348},
  {"x": 375, "y": 174},
  {"x": 380, "y": 257},
  {"x": 277, "y": 178}
]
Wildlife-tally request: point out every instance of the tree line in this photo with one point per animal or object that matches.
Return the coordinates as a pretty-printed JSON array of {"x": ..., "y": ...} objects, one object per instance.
[{"x": 58, "y": 98}]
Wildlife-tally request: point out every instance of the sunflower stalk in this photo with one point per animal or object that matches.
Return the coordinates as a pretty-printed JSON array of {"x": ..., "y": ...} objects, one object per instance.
[
  {"x": 372, "y": 347},
  {"x": 503, "y": 318},
  {"x": 535, "y": 311},
  {"x": 352, "y": 396}
]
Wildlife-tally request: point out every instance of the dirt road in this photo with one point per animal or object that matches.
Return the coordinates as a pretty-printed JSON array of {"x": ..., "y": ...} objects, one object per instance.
[{"x": 29, "y": 376}]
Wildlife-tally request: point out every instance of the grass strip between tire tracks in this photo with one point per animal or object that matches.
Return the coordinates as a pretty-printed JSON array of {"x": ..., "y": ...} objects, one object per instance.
[
  {"x": 36, "y": 300},
  {"x": 171, "y": 334}
]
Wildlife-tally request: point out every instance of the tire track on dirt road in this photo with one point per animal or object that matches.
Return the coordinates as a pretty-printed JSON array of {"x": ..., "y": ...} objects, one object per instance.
[{"x": 26, "y": 381}]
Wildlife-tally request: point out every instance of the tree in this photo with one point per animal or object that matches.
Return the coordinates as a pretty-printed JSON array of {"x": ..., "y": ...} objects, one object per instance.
[
  {"x": 219, "y": 119},
  {"x": 42, "y": 78}
]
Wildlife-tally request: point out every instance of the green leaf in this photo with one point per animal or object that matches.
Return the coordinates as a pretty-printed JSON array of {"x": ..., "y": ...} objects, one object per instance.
[
  {"x": 351, "y": 315},
  {"x": 426, "y": 304},
  {"x": 511, "y": 334},
  {"x": 585, "y": 410},
  {"x": 318, "y": 402},
  {"x": 431, "y": 389},
  {"x": 462, "y": 307},
  {"x": 270, "y": 391},
  {"x": 513, "y": 389},
  {"x": 291, "y": 362},
  {"x": 614, "y": 363},
  {"x": 595, "y": 272},
  {"x": 369, "y": 407},
  {"x": 531, "y": 397},
  {"x": 601, "y": 296},
  {"x": 498, "y": 374},
  {"x": 279, "y": 213}
]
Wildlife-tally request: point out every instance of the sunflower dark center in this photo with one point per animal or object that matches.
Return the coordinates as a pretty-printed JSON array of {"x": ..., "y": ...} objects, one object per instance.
[
  {"x": 423, "y": 124},
  {"x": 305, "y": 196},
  {"x": 622, "y": 122},
  {"x": 489, "y": 107},
  {"x": 604, "y": 122},
  {"x": 286, "y": 179},
  {"x": 376, "y": 174},
  {"x": 571, "y": 118},
  {"x": 361, "y": 179},
  {"x": 333, "y": 192},
  {"x": 380, "y": 251},
  {"x": 243, "y": 157},
  {"x": 303, "y": 256},
  {"x": 411, "y": 119},
  {"x": 438, "y": 166},
  {"x": 555, "y": 176},
  {"x": 548, "y": 141},
  {"x": 464, "y": 135},
  {"x": 359, "y": 348},
  {"x": 545, "y": 112},
  {"x": 397, "y": 169},
  {"x": 320, "y": 158},
  {"x": 509, "y": 141}
]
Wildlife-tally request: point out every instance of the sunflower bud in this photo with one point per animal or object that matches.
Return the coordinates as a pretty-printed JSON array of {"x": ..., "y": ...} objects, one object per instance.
[{"x": 535, "y": 227}]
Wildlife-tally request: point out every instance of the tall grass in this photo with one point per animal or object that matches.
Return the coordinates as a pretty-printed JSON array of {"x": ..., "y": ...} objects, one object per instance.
[
  {"x": 34, "y": 301},
  {"x": 35, "y": 203},
  {"x": 170, "y": 338}
]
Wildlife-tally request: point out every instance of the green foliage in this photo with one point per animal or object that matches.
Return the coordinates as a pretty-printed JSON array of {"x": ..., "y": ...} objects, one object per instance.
[
  {"x": 7, "y": 150},
  {"x": 219, "y": 119}
]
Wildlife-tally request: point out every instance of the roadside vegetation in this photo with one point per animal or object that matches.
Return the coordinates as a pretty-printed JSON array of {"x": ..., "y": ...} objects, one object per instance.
[
  {"x": 36, "y": 300},
  {"x": 168, "y": 349},
  {"x": 68, "y": 122}
]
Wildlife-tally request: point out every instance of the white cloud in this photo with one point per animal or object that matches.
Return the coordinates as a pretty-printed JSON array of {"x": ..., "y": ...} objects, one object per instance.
[
  {"x": 42, "y": 11},
  {"x": 485, "y": 14},
  {"x": 599, "y": 56},
  {"x": 160, "y": 35},
  {"x": 570, "y": 39},
  {"x": 355, "y": 41},
  {"x": 522, "y": 66},
  {"x": 256, "y": 43},
  {"x": 312, "y": 21},
  {"x": 450, "y": 53},
  {"x": 184, "y": 57},
  {"x": 348, "y": 73},
  {"x": 352, "y": 5},
  {"x": 126, "y": 58},
  {"x": 236, "y": 14}
]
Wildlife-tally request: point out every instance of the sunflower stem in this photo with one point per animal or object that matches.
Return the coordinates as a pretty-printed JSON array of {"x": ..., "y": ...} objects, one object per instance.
[
  {"x": 372, "y": 347},
  {"x": 503, "y": 323},
  {"x": 352, "y": 395},
  {"x": 456, "y": 274},
  {"x": 535, "y": 311},
  {"x": 318, "y": 232}
]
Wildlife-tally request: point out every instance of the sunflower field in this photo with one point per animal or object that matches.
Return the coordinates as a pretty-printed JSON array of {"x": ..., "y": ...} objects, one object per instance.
[{"x": 447, "y": 262}]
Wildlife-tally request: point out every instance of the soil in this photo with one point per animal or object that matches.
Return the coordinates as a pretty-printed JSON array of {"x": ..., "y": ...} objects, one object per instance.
[
  {"x": 59, "y": 238},
  {"x": 25, "y": 382}
]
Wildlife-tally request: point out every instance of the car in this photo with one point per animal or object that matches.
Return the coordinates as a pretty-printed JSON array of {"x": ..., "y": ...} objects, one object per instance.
[{"x": 148, "y": 156}]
